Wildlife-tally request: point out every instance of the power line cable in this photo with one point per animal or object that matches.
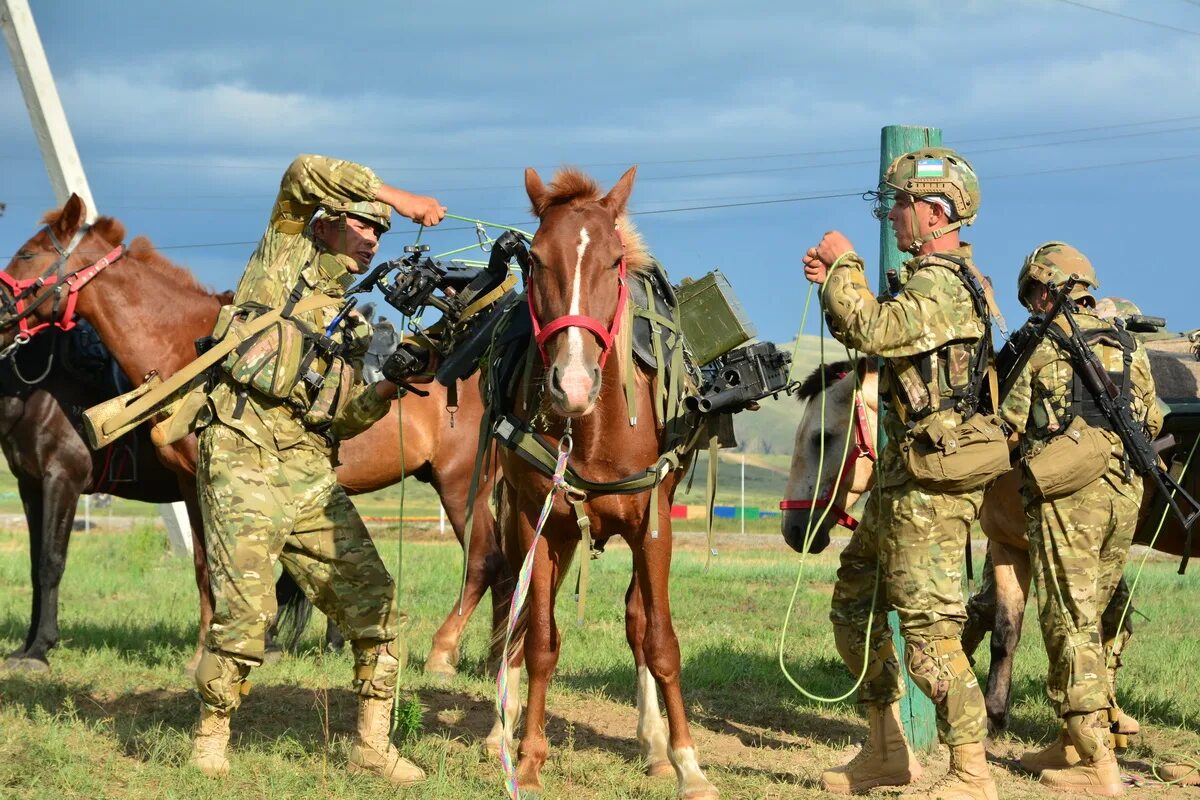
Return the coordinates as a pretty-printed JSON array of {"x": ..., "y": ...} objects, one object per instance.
[{"x": 1118, "y": 14}]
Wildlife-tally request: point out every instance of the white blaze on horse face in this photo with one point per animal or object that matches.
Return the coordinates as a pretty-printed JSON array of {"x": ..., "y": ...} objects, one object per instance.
[
  {"x": 576, "y": 379},
  {"x": 651, "y": 730}
]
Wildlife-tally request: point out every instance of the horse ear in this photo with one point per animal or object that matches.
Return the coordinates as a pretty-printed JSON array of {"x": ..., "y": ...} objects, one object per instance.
[
  {"x": 618, "y": 195},
  {"x": 536, "y": 190},
  {"x": 71, "y": 217}
]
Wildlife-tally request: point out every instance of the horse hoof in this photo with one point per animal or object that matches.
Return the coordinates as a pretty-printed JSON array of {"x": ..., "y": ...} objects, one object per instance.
[
  {"x": 660, "y": 769},
  {"x": 272, "y": 656},
  {"x": 23, "y": 664},
  {"x": 440, "y": 666},
  {"x": 700, "y": 793},
  {"x": 529, "y": 781}
]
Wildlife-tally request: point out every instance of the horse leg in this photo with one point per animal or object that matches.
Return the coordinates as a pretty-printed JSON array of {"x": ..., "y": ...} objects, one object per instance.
[
  {"x": 1012, "y": 574},
  {"x": 55, "y": 506},
  {"x": 444, "y": 652},
  {"x": 200, "y": 566},
  {"x": 652, "y": 567},
  {"x": 651, "y": 730},
  {"x": 542, "y": 645},
  {"x": 981, "y": 608}
]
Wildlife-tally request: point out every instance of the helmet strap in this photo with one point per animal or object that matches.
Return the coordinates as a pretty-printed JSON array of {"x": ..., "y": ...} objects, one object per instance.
[{"x": 920, "y": 241}]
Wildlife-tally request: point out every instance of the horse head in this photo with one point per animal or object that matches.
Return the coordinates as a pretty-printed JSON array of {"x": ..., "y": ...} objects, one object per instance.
[
  {"x": 38, "y": 286},
  {"x": 833, "y": 459},
  {"x": 579, "y": 261}
]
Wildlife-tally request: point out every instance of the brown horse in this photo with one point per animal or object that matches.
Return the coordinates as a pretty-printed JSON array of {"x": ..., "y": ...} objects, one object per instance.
[
  {"x": 41, "y": 404},
  {"x": 1002, "y": 516},
  {"x": 576, "y": 292},
  {"x": 149, "y": 312}
]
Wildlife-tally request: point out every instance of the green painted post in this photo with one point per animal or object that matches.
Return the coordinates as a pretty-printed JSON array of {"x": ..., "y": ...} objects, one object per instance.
[{"x": 915, "y": 709}]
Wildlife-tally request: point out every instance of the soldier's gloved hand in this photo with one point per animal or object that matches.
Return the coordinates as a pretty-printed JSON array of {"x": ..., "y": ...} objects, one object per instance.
[{"x": 406, "y": 364}]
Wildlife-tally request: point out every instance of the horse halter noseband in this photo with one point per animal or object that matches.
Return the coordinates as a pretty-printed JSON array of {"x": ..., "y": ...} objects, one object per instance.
[
  {"x": 864, "y": 447},
  {"x": 605, "y": 334},
  {"x": 18, "y": 308}
]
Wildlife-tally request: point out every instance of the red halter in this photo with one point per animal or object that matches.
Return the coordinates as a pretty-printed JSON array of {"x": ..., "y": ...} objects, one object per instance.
[
  {"x": 606, "y": 335},
  {"x": 864, "y": 447},
  {"x": 21, "y": 290}
]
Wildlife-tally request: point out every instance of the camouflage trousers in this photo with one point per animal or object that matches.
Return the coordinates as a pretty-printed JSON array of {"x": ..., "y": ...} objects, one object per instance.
[
  {"x": 261, "y": 506},
  {"x": 1078, "y": 546},
  {"x": 916, "y": 540}
]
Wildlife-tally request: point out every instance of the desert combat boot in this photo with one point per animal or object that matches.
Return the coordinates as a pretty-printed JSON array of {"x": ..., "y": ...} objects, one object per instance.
[
  {"x": 884, "y": 760},
  {"x": 1059, "y": 754},
  {"x": 1097, "y": 773},
  {"x": 968, "y": 778},
  {"x": 374, "y": 752},
  {"x": 208, "y": 746},
  {"x": 1180, "y": 774}
]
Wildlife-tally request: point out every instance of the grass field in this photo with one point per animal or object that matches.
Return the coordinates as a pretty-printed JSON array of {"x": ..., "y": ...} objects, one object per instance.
[{"x": 112, "y": 718}]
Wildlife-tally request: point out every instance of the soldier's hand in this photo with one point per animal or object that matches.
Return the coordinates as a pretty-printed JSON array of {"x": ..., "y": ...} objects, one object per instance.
[
  {"x": 814, "y": 270},
  {"x": 423, "y": 210}
]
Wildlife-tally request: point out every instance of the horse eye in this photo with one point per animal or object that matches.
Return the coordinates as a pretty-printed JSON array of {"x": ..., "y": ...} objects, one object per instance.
[{"x": 617, "y": 263}]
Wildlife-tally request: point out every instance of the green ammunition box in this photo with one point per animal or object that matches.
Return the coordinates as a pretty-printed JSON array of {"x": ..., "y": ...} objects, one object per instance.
[{"x": 712, "y": 319}]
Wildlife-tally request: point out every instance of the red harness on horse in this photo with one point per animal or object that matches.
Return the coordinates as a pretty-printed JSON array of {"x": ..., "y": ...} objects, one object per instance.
[
  {"x": 864, "y": 447},
  {"x": 606, "y": 335},
  {"x": 21, "y": 290}
]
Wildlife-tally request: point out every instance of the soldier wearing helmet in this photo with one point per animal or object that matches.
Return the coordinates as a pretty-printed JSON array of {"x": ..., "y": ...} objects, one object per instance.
[
  {"x": 267, "y": 488},
  {"x": 935, "y": 343},
  {"x": 1080, "y": 529}
]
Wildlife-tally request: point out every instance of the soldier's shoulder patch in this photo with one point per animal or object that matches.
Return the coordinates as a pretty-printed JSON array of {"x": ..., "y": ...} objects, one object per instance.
[{"x": 923, "y": 281}]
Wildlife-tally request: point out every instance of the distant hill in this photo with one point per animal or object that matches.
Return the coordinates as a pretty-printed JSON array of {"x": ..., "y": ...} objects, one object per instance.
[{"x": 772, "y": 428}]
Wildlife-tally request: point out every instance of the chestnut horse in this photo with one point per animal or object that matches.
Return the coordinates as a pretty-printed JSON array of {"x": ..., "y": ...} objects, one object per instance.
[
  {"x": 149, "y": 312},
  {"x": 579, "y": 259},
  {"x": 1002, "y": 516}
]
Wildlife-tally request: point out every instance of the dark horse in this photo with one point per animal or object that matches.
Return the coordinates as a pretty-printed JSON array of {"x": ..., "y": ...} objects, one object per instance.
[
  {"x": 41, "y": 402},
  {"x": 149, "y": 311},
  {"x": 578, "y": 265}
]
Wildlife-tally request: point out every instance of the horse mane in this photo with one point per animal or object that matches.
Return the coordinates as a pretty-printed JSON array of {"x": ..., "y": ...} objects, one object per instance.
[
  {"x": 826, "y": 375},
  {"x": 572, "y": 187}
]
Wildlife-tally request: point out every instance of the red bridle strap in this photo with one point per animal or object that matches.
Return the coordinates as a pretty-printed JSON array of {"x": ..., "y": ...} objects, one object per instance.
[
  {"x": 864, "y": 447},
  {"x": 74, "y": 282},
  {"x": 606, "y": 335}
]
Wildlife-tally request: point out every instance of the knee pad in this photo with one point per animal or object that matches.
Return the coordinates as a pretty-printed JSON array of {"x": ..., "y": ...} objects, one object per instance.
[
  {"x": 936, "y": 665},
  {"x": 851, "y": 645},
  {"x": 376, "y": 667},
  {"x": 221, "y": 681}
]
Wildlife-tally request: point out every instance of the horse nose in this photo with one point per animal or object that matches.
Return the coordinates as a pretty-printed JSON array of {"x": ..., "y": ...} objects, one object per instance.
[
  {"x": 795, "y": 525},
  {"x": 574, "y": 388}
]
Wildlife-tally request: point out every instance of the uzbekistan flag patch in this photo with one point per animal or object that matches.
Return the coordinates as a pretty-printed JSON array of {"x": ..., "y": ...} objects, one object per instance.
[{"x": 931, "y": 168}]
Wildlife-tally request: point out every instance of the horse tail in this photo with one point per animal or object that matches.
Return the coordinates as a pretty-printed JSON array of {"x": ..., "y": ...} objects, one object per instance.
[{"x": 295, "y": 611}]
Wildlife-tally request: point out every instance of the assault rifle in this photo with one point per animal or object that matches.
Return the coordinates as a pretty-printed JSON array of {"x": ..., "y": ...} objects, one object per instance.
[
  {"x": 1116, "y": 409},
  {"x": 1012, "y": 358},
  {"x": 741, "y": 377}
]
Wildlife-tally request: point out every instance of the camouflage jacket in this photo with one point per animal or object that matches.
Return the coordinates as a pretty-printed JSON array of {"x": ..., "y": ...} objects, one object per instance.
[
  {"x": 288, "y": 253},
  {"x": 933, "y": 313},
  {"x": 1038, "y": 404}
]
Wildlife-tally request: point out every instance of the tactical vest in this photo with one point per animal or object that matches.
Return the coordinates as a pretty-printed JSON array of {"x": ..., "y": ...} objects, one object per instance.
[
  {"x": 289, "y": 361},
  {"x": 1079, "y": 402},
  {"x": 952, "y": 376}
]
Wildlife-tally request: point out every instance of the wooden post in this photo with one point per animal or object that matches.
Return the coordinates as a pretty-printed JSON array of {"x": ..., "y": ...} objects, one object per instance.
[
  {"x": 916, "y": 710},
  {"x": 62, "y": 162}
]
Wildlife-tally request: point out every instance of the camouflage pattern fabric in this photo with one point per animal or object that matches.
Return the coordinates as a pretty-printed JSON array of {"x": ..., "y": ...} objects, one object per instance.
[
  {"x": 260, "y": 506},
  {"x": 933, "y": 311},
  {"x": 915, "y": 537},
  {"x": 288, "y": 253},
  {"x": 1078, "y": 544}
]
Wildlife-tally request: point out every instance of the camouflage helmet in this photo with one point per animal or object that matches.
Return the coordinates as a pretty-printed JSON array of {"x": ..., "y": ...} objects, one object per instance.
[
  {"x": 371, "y": 211},
  {"x": 937, "y": 171},
  {"x": 1051, "y": 264},
  {"x": 1109, "y": 308}
]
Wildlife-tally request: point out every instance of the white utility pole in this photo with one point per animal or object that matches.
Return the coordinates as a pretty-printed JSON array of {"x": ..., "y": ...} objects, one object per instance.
[{"x": 62, "y": 162}]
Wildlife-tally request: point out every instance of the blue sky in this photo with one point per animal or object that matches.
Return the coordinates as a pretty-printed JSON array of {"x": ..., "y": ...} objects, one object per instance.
[{"x": 1084, "y": 126}]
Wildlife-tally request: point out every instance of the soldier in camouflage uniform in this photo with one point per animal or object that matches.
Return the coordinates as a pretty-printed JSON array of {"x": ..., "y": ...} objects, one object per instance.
[
  {"x": 265, "y": 474},
  {"x": 908, "y": 551},
  {"x": 1078, "y": 543}
]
